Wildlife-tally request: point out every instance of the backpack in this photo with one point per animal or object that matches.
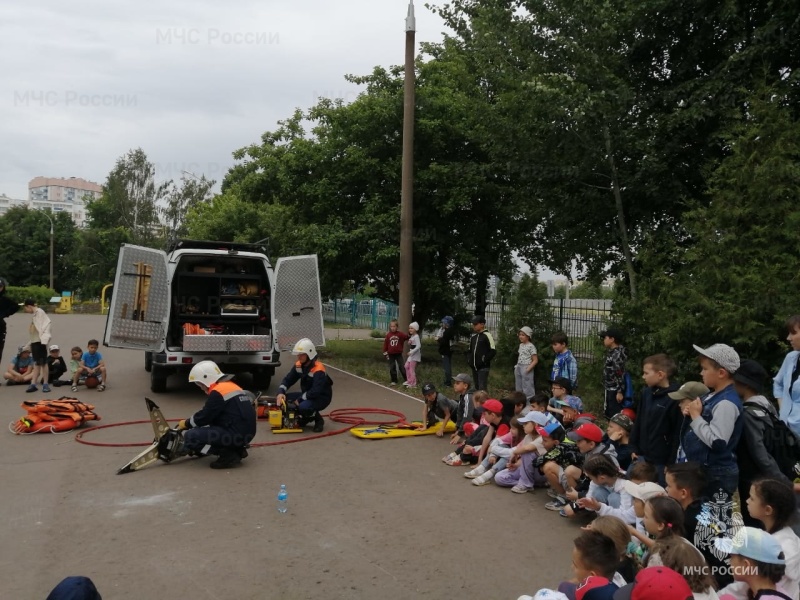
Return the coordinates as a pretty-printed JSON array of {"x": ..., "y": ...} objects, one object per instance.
[{"x": 780, "y": 441}]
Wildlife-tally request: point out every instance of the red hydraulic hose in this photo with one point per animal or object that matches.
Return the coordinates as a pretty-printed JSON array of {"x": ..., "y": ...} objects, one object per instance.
[{"x": 348, "y": 416}]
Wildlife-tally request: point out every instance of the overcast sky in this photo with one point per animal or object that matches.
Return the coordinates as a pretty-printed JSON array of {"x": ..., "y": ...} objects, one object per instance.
[{"x": 85, "y": 81}]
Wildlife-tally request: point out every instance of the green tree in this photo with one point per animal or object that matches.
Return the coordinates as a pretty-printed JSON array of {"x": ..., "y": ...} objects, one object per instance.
[
  {"x": 25, "y": 239},
  {"x": 180, "y": 199},
  {"x": 730, "y": 274},
  {"x": 131, "y": 200}
]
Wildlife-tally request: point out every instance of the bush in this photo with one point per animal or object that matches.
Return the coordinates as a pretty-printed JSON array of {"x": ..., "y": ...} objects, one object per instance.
[
  {"x": 39, "y": 293},
  {"x": 376, "y": 333}
]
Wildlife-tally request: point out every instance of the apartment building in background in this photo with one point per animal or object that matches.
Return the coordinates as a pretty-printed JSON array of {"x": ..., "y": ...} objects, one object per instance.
[{"x": 62, "y": 195}]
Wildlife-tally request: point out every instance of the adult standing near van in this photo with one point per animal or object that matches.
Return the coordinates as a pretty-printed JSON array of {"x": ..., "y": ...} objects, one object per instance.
[
  {"x": 40, "y": 337},
  {"x": 316, "y": 390},
  {"x": 7, "y": 308},
  {"x": 481, "y": 352}
]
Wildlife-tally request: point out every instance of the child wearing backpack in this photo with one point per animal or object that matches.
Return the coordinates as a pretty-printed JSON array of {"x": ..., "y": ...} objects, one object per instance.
[{"x": 768, "y": 447}]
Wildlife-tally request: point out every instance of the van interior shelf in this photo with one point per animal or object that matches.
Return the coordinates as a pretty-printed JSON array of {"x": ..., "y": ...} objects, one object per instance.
[{"x": 200, "y": 274}]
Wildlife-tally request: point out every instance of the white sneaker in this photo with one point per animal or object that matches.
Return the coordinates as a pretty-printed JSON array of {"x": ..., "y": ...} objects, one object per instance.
[
  {"x": 520, "y": 489},
  {"x": 484, "y": 479},
  {"x": 479, "y": 470},
  {"x": 392, "y": 384}
]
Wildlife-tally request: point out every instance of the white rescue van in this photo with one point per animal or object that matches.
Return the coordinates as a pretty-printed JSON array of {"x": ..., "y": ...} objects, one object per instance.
[{"x": 219, "y": 301}]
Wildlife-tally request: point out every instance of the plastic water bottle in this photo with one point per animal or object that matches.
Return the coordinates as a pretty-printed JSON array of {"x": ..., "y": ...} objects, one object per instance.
[{"x": 283, "y": 499}]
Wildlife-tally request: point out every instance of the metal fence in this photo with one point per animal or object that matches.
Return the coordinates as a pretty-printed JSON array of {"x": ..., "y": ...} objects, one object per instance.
[
  {"x": 369, "y": 313},
  {"x": 579, "y": 319}
]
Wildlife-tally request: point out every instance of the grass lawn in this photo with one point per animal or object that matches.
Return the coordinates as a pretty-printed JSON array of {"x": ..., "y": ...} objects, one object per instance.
[{"x": 365, "y": 359}]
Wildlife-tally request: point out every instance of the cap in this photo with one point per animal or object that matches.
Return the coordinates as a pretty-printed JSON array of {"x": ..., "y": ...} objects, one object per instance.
[
  {"x": 478, "y": 319},
  {"x": 595, "y": 588},
  {"x": 463, "y": 378},
  {"x": 755, "y": 544},
  {"x": 689, "y": 391},
  {"x": 587, "y": 431},
  {"x": 562, "y": 382},
  {"x": 623, "y": 421},
  {"x": 414, "y": 325},
  {"x": 548, "y": 429},
  {"x": 628, "y": 412},
  {"x": 30, "y": 302},
  {"x": 613, "y": 332},
  {"x": 547, "y": 594},
  {"x": 534, "y": 416},
  {"x": 643, "y": 491},
  {"x": 428, "y": 388},
  {"x": 722, "y": 354},
  {"x": 751, "y": 374},
  {"x": 25, "y": 348},
  {"x": 493, "y": 405},
  {"x": 53, "y": 347},
  {"x": 572, "y": 402},
  {"x": 656, "y": 583},
  {"x": 448, "y": 321},
  {"x": 527, "y": 331}
]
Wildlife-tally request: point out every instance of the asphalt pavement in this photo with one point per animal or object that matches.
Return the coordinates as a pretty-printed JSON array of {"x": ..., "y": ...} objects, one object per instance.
[{"x": 366, "y": 519}]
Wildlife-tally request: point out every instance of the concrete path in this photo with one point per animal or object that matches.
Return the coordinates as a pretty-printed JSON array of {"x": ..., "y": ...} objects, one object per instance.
[{"x": 367, "y": 519}]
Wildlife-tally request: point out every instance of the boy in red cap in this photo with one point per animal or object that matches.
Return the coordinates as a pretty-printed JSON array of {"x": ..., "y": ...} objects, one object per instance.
[
  {"x": 656, "y": 583},
  {"x": 474, "y": 449}
]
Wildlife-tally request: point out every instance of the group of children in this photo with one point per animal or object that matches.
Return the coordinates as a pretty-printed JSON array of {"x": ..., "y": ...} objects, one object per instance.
[
  {"x": 660, "y": 482},
  {"x": 87, "y": 368}
]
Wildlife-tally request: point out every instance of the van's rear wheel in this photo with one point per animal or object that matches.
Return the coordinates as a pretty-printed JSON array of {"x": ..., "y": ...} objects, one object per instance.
[
  {"x": 158, "y": 380},
  {"x": 148, "y": 361},
  {"x": 261, "y": 380}
]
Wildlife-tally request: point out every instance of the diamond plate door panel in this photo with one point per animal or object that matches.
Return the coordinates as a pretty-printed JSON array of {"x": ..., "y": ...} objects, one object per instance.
[
  {"x": 296, "y": 302},
  {"x": 227, "y": 343},
  {"x": 137, "y": 317}
]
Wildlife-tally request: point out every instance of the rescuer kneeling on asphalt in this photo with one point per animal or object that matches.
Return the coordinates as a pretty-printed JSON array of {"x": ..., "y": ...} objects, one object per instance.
[
  {"x": 315, "y": 385},
  {"x": 227, "y": 422}
]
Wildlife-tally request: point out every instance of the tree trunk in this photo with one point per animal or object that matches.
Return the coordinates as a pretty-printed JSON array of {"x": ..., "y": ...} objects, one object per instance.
[{"x": 623, "y": 229}]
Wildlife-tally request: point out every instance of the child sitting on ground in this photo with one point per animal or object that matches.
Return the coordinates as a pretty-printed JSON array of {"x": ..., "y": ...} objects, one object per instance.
[
  {"x": 474, "y": 449},
  {"x": 618, "y": 432},
  {"x": 20, "y": 370},
  {"x": 757, "y": 560},
  {"x": 606, "y": 495},
  {"x": 499, "y": 452},
  {"x": 462, "y": 385},
  {"x": 685, "y": 484},
  {"x": 519, "y": 404},
  {"x": 772, "y": 502},
  {"x": 588, "y": 438},
  {"x": 56, "y": 367},
  {"x": 436, "y": 406},
  {"x": 618, "y": 531},
  {"x": 663, "y": 520},
  {"x": 92, "y": 364},
  {"x": 594, "y": 562},
  {"x": 521, "y": 474},
  {"x": 684, "y": 558}
]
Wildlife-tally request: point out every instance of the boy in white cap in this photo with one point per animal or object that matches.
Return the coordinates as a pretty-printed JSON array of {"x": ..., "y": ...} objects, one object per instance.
[
  {"x": 712, "y": 424},
  {"x": 414, "y": 355},
  {"x": 56, "y": 366}
]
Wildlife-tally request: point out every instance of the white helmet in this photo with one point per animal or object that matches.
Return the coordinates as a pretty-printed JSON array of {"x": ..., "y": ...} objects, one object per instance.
[
  {"x": 205, "y": 372},
  {"x": 305, "y": 346}
]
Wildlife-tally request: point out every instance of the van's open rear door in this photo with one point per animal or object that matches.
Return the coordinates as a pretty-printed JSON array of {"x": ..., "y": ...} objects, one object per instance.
[
  {"x": 137, "y": 317},
  {"x": 296, "y": 302}
]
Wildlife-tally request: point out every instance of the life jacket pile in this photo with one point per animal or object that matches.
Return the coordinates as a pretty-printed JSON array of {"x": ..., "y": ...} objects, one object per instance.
[{"x": 52, "y": 416}]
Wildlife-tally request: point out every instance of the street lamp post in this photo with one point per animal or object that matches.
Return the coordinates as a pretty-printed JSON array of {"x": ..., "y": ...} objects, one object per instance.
[{"x": 52, "y": 238}]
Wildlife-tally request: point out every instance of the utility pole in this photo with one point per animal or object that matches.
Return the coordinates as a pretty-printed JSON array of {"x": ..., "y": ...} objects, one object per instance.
[
  {"x": 407, "y": 185},
  {"x": 52, "y": 239}
]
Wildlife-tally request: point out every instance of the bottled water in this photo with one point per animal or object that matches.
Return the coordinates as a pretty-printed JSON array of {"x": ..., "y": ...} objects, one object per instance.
[{"x": 283, "y": 499}]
